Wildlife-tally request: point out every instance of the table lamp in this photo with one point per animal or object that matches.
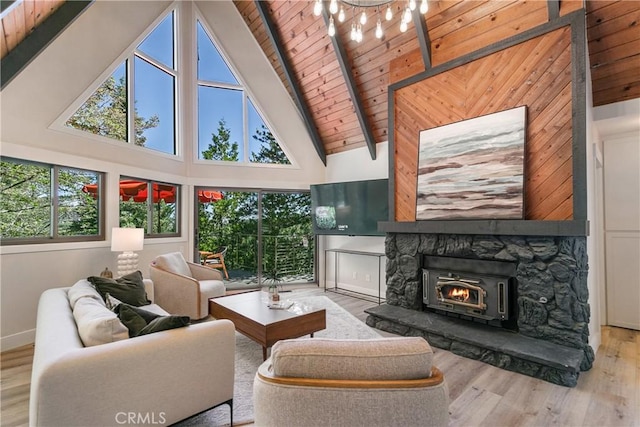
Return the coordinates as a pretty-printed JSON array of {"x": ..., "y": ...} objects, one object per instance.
[{"x": 126, "y": 241}]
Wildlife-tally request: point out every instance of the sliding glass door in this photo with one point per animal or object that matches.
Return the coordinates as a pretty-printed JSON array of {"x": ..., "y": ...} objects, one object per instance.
[{"x": 267, "y": 234}]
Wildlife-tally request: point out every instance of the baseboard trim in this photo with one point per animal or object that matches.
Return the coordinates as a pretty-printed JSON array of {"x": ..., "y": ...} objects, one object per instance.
[{"x": 17, "y": 340}]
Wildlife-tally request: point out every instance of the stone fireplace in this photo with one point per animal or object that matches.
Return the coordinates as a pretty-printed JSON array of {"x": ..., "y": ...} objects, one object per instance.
[{"x": 538, "y": 318}]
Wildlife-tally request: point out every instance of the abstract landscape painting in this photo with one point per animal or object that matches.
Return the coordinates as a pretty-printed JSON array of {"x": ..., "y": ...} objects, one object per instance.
[{"x": 473, "y": 169}]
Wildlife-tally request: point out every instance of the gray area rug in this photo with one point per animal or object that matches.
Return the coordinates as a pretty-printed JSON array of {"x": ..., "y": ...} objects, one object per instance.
[{"x": 340, "y": 324}]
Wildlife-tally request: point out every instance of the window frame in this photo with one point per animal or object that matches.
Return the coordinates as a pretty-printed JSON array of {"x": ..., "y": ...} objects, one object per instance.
[
  {"x": 150, "y": 207},
  {"x": 128, "y": 60},
  {"x": 247, "y": 97},
  {"x": 173, "y": 72},
  {"x": 54, "y": 237}
]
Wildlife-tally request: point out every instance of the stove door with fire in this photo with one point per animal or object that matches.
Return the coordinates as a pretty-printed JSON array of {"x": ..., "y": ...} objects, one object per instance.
[{"x": 482, "y": 296}]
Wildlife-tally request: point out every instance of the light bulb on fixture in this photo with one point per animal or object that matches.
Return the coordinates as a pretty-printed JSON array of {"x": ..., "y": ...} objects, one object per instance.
[
  {"x": 358, "y": 8},
  {"x": 406, "y": 17},
  {"x": 424, "y": 7},
  {"x": 333, "y": 6},
  {"x": 332, "y": 27}
]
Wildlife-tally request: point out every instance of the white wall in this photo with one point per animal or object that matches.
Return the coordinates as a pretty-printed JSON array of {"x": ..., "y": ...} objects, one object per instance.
[
  {"x": 618, "y": 130},
  {"x": 55, "y": 83},
  {"x": 355, "y": 165},
  {"x": 595, "y": 262}
]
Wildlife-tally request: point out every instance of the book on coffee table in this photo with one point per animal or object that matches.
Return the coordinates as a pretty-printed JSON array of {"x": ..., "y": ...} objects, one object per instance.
[{"x": 280, "y": 305}]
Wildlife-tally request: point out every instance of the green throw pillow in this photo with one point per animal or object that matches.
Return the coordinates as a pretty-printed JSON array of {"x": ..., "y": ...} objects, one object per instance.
[
  {"x": 129, "y": 289},
  {"x": 143, "y": 322},
  {"x": 131, "y": 319},
  {"x": 164, "y": 323}
]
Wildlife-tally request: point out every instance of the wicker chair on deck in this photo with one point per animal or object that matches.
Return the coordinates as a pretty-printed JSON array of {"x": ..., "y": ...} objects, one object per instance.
[{"x": 215, "y": 259}]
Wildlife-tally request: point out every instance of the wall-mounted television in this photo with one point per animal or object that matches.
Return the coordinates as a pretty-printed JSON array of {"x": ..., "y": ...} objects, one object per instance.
[{"x": 350, "y": 208}]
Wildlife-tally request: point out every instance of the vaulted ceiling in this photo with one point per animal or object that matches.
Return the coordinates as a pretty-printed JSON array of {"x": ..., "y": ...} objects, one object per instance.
[{"x": 340, "y": 86}]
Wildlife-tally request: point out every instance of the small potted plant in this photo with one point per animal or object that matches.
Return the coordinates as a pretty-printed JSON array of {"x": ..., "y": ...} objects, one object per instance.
[{"x": 273, "y": 292}]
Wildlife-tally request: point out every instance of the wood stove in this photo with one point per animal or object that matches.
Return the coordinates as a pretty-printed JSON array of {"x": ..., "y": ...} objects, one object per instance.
[{"x": 469, "y": 288}]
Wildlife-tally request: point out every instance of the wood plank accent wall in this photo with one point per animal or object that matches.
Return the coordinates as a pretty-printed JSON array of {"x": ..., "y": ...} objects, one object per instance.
[{"x": 535, "y": 73}]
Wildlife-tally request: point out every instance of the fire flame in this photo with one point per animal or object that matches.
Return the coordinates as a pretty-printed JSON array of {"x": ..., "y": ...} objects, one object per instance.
[{"x": 459, "y": 294}]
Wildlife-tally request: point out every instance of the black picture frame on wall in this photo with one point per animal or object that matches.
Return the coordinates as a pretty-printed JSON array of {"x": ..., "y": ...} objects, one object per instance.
[{"x": 473, "y": 169}]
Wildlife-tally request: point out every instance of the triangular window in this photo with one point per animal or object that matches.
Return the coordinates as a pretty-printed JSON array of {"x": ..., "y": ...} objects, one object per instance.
[
  {"x": 142, "y": 113},
  {"x": 105, "y": 112},
  {"x": 230, "y": 127}
]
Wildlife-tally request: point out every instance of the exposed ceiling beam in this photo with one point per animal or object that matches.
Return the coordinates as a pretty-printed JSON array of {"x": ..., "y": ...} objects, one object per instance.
[
  {"x": 278, "y": 45},
  {"x": 39, "y": 39},
  {"x": 4, "y": 4},
  {"x": 423, "y": 37},
  {"x": 351, "y": 86},
  {"x": 553, "y": 6}
]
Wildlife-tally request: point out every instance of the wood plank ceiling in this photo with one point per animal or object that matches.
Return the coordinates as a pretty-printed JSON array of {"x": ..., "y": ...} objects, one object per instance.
[
  {"x": 453, "y": 28},
  {"x": 22, "y": 19},
  {"x": 340, "y": 100}
]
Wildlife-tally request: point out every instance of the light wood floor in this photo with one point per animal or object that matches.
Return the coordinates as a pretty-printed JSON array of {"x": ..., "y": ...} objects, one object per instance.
[{"x": 480, "y": 394}]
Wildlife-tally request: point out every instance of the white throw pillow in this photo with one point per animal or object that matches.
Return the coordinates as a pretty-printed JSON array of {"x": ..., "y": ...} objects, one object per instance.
[
  {"x": 96, "y": 323},
  {"x": 83, "y": 289}
]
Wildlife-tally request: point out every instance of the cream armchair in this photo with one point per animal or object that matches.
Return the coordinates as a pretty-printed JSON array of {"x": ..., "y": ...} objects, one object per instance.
[
  {"x": 325, "y": 382},
  {"x": 184, "y": 288}
]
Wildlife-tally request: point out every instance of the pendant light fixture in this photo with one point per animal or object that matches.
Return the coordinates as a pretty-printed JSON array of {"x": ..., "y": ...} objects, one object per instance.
[{"x": 359, "y": 14}]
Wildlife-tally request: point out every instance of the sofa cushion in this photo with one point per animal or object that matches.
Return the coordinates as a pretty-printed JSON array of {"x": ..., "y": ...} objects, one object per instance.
[
  {"x": 128, "y": 289},
  {"x": 173, "y": 262},
  {"x": 96, "y": 323},
  {"x": 81, "y": 289},
  {"x": 142, "y": 322},
  {"x": 376, "y": 359}
]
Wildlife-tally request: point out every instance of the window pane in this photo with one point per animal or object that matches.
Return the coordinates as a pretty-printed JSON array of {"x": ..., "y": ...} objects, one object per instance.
[
  {"x": 159, "y": 43},
  {"x": 139, "y": 209},
  {"x": 287, "y": 238},
  {"x": 154, "y": 98},
  {"x": 163, "y": 214},
  {"x": 25, "y": 200},
  {"x": 211, "y": 65},
  {"x": 263, "y": 145},
  {"x": 220, "y": 132},
  {"x": 78, "y": 209},
  {"x": 105, "y": 112},
  {"x": 230, "y": 218},
  {"x": 133, "y": 203}
]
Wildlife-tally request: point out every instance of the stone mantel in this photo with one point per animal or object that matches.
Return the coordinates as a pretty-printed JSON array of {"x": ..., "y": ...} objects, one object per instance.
[{"x": 575, "y": 228}]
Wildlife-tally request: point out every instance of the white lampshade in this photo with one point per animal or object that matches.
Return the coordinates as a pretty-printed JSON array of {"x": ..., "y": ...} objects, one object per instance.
[{"x": 127, "y": 239}]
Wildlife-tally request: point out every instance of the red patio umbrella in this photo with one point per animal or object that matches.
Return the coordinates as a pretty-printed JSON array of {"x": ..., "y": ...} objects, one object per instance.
[
  {"x": 206, "y": 196},
  {"x": 137, "y": 190}
]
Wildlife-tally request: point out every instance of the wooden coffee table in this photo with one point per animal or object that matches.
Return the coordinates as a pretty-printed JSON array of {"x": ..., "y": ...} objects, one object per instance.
[{"x": 254, "y": 319}]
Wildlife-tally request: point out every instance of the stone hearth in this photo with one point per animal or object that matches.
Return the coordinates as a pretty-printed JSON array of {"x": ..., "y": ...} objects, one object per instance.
[{"x": 551, "y": 341}]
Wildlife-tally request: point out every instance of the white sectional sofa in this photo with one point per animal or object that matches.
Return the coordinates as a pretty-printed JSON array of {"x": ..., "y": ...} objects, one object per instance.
[{"x": 155, "y": 379}]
